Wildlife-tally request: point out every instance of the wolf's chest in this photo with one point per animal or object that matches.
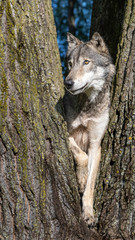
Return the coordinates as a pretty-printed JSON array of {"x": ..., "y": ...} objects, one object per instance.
[
  {"x": 88, "y": 129},
  {"x": 81, "y": 137}
]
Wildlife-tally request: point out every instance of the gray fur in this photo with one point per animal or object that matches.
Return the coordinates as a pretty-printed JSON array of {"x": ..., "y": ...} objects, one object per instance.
[{"x": 87, "y": 103}]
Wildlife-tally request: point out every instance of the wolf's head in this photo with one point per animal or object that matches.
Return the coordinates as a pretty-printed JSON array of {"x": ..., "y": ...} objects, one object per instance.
[{"x": 89, "y": 65}]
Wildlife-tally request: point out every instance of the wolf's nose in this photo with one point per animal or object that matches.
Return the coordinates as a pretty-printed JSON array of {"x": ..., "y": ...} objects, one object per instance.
[{"x": 69, "y": 83}]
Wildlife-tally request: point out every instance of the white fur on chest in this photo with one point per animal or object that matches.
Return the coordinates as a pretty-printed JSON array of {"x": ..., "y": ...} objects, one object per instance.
[{"x": 96, "y": 125}]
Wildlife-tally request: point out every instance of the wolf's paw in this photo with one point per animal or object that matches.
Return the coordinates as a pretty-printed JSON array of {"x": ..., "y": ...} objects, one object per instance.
[
  {"x": 82, "y": 180},
  {"x": 88, "y": 216},
  {"x": 82, "y": 186},
  {"x": 82, "y": 175}
]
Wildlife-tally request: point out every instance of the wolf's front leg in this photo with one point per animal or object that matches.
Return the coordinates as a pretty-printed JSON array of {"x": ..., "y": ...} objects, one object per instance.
[
  {"x": 81, "y": 159},
  {"x": 93, "y": 163}
]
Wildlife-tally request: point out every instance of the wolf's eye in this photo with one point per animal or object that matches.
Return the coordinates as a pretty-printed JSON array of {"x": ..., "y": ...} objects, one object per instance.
[
  {"x": 86, "y": 62},
  {"x": 70, "y": 64}
]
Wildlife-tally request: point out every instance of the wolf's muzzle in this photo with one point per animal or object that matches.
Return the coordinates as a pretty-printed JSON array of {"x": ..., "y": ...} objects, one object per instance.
[{"x": 68, "y": 83}]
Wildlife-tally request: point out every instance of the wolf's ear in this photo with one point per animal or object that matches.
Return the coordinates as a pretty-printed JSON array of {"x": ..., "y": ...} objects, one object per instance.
[
  {"x": 98, "y": 42},
  {"x": 72, "y": 42}
]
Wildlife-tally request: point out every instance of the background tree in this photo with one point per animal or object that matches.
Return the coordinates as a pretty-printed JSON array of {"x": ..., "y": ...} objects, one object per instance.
[
  {"x": 114, "y": 197},
  {"x": 71, "y": 18},
  {"x": 38, "y": 191}
]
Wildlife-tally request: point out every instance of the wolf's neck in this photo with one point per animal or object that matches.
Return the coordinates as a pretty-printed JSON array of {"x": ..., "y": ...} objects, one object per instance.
[
  {"x": 92, "y": 93},
  {"x": 97, "y": 99}
]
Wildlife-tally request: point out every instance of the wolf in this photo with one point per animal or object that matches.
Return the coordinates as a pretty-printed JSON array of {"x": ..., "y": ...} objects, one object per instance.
[{"x": 87, "y": 104}]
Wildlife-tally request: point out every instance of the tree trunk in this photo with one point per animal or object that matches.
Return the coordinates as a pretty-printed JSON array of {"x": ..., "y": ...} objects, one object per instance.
[
  {"x": 38, "y": 191},
  {"x": 71, "y": 20},
  {"x": 107, "y": 19},
  {"x": 114, "y": 197}
]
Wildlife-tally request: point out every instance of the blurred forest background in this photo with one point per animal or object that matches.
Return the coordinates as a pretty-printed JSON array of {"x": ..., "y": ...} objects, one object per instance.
[{"x": 72, "y": 16}]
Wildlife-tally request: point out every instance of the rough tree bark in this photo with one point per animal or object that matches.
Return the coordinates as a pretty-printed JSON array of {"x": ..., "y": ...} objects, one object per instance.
[
  {"x": 38, "y": 191},
  {"x": 115, "y": 193}
]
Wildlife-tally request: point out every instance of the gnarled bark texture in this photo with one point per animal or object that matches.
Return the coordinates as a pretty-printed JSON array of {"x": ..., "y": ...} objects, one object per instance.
[
  {"x": 115, "y": 193},
  {"x": 38, "y": 191}
]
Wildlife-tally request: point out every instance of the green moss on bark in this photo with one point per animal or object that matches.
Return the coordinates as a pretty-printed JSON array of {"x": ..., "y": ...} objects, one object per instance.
[{"x": 3, "y": 99}]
